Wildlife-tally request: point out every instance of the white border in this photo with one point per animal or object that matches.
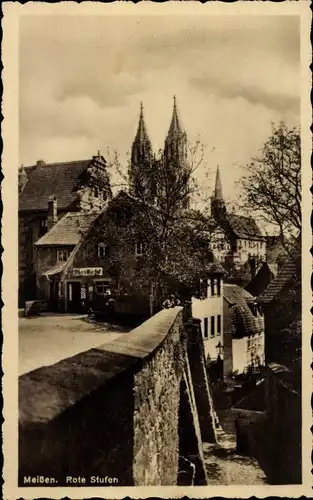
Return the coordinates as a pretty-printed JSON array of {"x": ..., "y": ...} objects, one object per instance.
[{"x": 12, "y": 12}]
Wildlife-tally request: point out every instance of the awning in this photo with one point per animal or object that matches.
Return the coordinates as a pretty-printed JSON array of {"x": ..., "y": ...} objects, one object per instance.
[{"x": 54, "y": 271}]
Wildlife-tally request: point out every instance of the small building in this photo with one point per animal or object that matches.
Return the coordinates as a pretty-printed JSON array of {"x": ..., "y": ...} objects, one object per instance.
[
  {"x": 282, "y": 303},
  {"x": 243, "y": 334},
  {"x": 87, "y": 256},
  {"x": 208, "y": 307},
  {"x": 53, "y": 251},
  {"x": 77, "y": 186}
]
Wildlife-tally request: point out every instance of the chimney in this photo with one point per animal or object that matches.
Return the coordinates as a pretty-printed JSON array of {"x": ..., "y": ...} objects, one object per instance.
[
  {"x": 52, "y": 217},
  {"x": 22, "y": 178},
  {"x": 40, "y": 163}
]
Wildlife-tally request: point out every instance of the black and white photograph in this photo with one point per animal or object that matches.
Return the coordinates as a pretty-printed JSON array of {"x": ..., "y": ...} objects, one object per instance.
[{"x": 160, "y": 234}]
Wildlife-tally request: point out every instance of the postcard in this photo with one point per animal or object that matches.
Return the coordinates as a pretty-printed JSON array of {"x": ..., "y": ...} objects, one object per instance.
[{"x": 156, "y": 264}]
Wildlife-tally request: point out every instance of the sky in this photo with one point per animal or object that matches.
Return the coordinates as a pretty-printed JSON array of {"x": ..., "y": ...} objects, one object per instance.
[{"x": 82, "y": 79}]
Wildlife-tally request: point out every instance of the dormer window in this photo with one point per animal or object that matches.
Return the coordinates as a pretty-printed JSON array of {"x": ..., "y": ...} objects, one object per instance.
[
  {"x": 103, "y": 250},
  {"x": 62, "y": 255},
  {"x": 139, "y": 248}
]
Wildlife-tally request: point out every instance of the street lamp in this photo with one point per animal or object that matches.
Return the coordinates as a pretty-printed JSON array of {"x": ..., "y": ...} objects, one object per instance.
[{"x": 219, "y": 349}]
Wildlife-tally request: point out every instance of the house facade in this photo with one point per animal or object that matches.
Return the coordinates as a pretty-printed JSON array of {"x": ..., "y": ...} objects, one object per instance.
[
  {"x": 243, "y": 334},
  {"x": 282, "y": 305},
  {"x": 64, "y": 187},
  {"x": 236, "y": 239},
  {"x": 87, "y": 256},
  {"x": 208, "y": 307}
]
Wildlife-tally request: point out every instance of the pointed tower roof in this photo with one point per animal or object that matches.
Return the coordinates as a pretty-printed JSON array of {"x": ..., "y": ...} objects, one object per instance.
[
  {"x": 142, "y": 135},
  {"x": 175, "y": 126},
  {"x": 218, "y": 193}
]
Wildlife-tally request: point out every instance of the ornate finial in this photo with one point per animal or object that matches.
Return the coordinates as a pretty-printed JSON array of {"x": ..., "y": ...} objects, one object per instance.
[
  {"x": 174, "y": 101},
  {"x": 99, "y": 154}
]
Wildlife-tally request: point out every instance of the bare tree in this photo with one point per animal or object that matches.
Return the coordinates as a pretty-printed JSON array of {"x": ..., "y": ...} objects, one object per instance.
[{"x": 272, "y": 184}]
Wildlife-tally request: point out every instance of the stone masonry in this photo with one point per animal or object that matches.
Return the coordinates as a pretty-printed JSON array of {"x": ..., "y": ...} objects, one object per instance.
[{"x": 129, "y": 409}]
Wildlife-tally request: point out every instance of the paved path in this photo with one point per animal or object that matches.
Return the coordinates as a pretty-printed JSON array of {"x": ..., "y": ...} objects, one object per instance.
[
  {"x": 224, "y": 466},
  {"x": 46, "y": 339}
]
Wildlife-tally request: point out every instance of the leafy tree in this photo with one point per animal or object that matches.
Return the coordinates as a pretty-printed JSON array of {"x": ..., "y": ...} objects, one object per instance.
[{"x": 272, "y": 184}]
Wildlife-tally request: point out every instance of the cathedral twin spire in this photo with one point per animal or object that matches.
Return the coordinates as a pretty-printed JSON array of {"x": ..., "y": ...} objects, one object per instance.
[{"x": 175, "y": 148}]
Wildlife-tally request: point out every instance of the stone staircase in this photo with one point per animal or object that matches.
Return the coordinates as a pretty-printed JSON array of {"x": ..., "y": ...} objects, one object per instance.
[{"x": 224, "y": 466}]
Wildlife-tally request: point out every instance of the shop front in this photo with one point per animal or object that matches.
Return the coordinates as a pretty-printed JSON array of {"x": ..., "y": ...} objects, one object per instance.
[{"x": 85, "y": 288}]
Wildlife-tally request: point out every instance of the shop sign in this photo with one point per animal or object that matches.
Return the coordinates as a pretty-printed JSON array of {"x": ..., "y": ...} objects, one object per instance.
[{"x": 87, "y": 271}]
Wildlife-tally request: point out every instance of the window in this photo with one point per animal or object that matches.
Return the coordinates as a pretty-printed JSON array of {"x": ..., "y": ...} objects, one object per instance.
[
  {"x": 206, "y": 328},
  {"x": 102, "y": 287},
  {"x": 218, "y": 285},
  {"x": 245, "y": 243},
  {"x": 96, "y": 192},
  {"x": 139, "y": 248},
  {"x": 43, "y": 226},
  {"x": 203, "y": 288},
  {"x": 212, "y": 326},
  {"x": 62, "y": 255},
  {"x": 219, "y": 324},
  {"x": 102, "y": 250},
  {"x": 212, "y": 288}
]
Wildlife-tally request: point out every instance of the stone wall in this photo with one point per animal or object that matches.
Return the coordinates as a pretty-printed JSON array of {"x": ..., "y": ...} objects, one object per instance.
[{"x": 127, "y": 410}]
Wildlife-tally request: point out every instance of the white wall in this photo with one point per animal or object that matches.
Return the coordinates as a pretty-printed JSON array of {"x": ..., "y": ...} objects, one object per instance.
[
  {"x": 242, "y": 350},
  {"x": 205, "y": 308}
]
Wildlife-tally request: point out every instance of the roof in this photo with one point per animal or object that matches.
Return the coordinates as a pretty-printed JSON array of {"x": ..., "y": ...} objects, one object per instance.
[
  {"x": 55, "y": 270},
  {"x": 234, "y": 294},
  {"x": 242, "y": 319},
  {"x": 262, "y": 279},
  {"x": 244, "y": 227},
  {"x": 44, "y": 180},
  {"x": 176, "y": 128},
  {"x": 288, "y": 276},
  {"x": 68, "y": 231}
]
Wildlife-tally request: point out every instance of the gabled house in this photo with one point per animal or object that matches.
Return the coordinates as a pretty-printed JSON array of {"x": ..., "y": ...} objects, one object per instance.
[
  {"x": 243, "y": 334},
  {"x": 242, "y": 239},
  {"x": 281, "y": 303},
  {"x": 64, "y": 187},
  {"x": 53, "y": 251}
]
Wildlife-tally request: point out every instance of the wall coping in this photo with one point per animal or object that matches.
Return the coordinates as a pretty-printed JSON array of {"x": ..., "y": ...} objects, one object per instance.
[{"x": 48, "y": 391}]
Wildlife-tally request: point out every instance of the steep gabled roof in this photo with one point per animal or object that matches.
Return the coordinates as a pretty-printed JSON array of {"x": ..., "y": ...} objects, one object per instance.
[
  {"x": 262, "y": 279},
  {"x": 44, "y": 180},
  {"x": 286, "y": 278},
  {"x": 234, "y": 294},
  {"x": 289, "y": 277},
  {"x": 243, "y": 321},
  {"x": 68, "y": 230},
  {"x": 244, "y": 227}
]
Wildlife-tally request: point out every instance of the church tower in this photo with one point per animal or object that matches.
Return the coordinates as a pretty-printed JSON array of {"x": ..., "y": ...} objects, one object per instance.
[
  {"x": 175, "y": 148},
  {"x": 218, "y": 209},
  {"x": 175, "y": 155},
  {"x": 141, "y": 182}
]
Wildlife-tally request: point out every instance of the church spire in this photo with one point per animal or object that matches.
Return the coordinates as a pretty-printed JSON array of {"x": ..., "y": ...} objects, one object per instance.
[
  {"x": 142, "y": 135},
  {"x": 218, "y": 193},
  {"x": 141, "y": 158},
  {"x": 175, "y": 126}
]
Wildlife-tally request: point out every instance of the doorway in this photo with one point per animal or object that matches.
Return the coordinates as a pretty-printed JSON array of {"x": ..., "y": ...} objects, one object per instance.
[
  {"x": 73, "y": 296},
  {"x": 54, "y": 295}
]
